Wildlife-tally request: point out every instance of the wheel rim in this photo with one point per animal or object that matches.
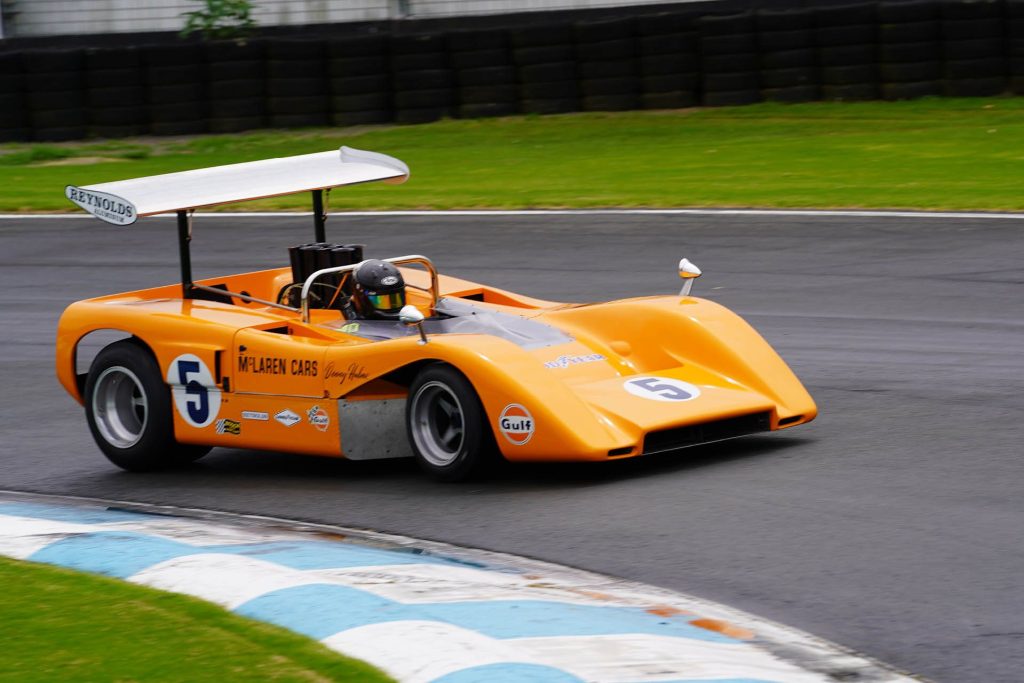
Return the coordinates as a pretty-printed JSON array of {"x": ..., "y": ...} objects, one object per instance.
[
  {"x": 438, "y": 423},
  {"x": 119, "y": 407}
]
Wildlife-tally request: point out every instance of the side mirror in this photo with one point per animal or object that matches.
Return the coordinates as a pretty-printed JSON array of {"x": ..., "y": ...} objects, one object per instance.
[
  {"x": 689, "y": 273},
  {"x": 410, "y": 315}
]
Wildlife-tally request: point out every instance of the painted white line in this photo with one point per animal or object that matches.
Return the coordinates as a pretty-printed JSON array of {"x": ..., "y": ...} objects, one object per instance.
[{"x": 825, "y": 213}]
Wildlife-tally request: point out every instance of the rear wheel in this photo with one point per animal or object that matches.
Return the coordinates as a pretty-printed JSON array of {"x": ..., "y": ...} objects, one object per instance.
[
  {"x": 447, "y": 426},
  {"x": 128, "y": 407}
]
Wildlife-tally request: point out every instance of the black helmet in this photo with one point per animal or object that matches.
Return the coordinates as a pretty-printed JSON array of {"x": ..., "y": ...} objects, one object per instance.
[{"x": 379, "y": 290}]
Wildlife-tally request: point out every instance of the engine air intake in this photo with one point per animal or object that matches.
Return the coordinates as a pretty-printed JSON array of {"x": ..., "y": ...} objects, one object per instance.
[{"x": 692, "y": 435}]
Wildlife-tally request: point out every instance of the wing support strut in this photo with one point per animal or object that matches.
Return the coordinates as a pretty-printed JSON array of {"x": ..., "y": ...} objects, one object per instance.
[{"x": 184, "y": 240}]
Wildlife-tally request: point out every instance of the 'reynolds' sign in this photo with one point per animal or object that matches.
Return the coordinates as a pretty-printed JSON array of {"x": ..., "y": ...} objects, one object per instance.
[{"x": 102, "y": 205}]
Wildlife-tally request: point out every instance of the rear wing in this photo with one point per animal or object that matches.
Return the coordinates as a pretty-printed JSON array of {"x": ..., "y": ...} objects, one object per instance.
[{"x": 123, "y": 201}]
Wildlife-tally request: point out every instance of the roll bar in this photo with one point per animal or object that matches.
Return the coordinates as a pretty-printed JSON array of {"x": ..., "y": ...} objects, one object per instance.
[{"x": 398, "y": 260}]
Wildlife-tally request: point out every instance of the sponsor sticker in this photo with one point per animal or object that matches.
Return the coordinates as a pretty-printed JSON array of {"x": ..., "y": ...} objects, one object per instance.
[
  {"x": 287, "y": 417},
  {"x": 566, "y": 361},
  {"x": 350, "y": 328},
  {"x": 104, "y": 206},
  {"x": 273, "y": 365},
  {"x": 255, "y": 415},
  {"x": 389, "y": 280},
  {"x": 319, "y": 418},
  {"x": 195, "y": 394},
  {"x": 226, "y": 426},
  {"x": 661, "y": 389},
  {"x": 516, "y": 424}
]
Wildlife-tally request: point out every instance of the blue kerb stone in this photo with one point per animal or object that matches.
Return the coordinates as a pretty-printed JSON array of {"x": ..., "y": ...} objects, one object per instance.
[
  {"x": 321, "y": 610},
  {"x": 63, "y": 513}
]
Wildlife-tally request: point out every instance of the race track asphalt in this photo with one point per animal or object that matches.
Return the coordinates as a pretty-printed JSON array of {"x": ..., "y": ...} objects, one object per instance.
[{"x": 893, "y": 524}]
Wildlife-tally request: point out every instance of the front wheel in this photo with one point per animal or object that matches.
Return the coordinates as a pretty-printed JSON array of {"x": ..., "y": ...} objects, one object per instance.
[
  {"x": 447, "y": 426},
  {"x": 128, "y": 407}
]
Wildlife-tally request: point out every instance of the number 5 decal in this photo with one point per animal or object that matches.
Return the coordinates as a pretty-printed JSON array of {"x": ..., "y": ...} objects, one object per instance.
[
  {"x": 661, "y": 389},
  {"x": 195, "y": 394}
]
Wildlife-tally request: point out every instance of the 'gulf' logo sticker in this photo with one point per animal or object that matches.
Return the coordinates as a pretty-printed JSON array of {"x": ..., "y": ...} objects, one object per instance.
[{"x": 516, "y": 424}]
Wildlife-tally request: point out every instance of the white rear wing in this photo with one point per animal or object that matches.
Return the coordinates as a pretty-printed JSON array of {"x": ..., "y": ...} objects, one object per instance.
[{"x": 123, "y": 201}]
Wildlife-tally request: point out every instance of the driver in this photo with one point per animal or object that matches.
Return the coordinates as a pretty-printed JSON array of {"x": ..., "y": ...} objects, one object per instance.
[{"x": 379, "y": 291}]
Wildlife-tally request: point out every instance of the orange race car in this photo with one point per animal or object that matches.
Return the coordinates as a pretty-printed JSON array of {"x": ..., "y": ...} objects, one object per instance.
[{"x": 337, "y": 355}]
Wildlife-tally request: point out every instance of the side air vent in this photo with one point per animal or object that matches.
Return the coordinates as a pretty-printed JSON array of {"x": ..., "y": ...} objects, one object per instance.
[
  {"x": 691, "y": 435},
  {"x": 790, "y": 420}
]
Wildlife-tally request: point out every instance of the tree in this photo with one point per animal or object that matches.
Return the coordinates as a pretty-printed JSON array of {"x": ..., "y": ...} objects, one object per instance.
[{"x": 220, "y": 20}]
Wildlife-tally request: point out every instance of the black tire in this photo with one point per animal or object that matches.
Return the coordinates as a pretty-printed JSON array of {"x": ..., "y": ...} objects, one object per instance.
[
  {"x": 472, "y": 41},
  {"x": 787, "y": 78},
  {"x": 175, "y": 94},
  {"x": 136, "y": 116},
  {"x": 236, "y": 124},
  {"x": 490, "y": 75},
  {"x": 907, "y": 10},
  {"x": 553, "y": 90},
  {"x": 661, "y": 65},
  {"x": 548, "y": 73},
  {"x": 728, "y": 45},
  {"x": 358, "y": 66},
  {"x": 786, "y": 40},
  {"x": 910, "y": 32},
  {"x": 299, "y": 68},
  {"x": 610, "y": 49},
  {"x": 243, "y": 107},
  {"x": 664, "y": 22},
  {"x": 114, "y": 78},
  {"x": 600, "y": 87},
  {"x": 668, "y": 44},
  {"x": 854, "y": 92},
  {"x": 619, "y": 68},
  {"x": 189, "y": 127},
  {"x": 784, "y": 19},
  {"x": 447, "y": 427},
  {"x": 624, "y": 102},
  {"x": 973, "y": 29},
  {"x": 133, "y": 437},
  {"x": 669, "y": 84},
  {"x": 424, "y": 79},
  {"x": 974, "y": 87},
  {"x": 481, "y": 110},
  {"x": 959, "y": 50},
  {"x": 424, "y": 114},
  {"x": 377, "y": 101},
  {"x": 901, "y": 53},
  {"x": 679, "y": 99},
  {"x": 480, "y": 59},
  {"x": 728, "y": 64},
  {"x": 428, "y": 60},
  {"x": 361, "y": 118},
  {"x": 849, "y": 75},
  {"x": 58, "y": 134},
  {"x": 554, "y": 105},
  {"x": 731, "y": 98},
  {"x": 974, "y": 68},
  {"x": 535, "y": 36},
  {"x": 910, "y": 91},
  {"x": 236, "y": 71},
  {"x": 847, "y": 55},
  {"x": 315, "y": 108},
  {"x": 186, "y": 74},
  {"x": 854, "y": 34},
  {"x": 958, "y": 9},
  {"x": 909, "y": 73},
  {"x": 788, "y": 59},
  {"x": 791, "y": 94},
  {"x": 740, "y": 81},
  {"x": 602, "y": 30},
  {"x": 128, "y": 96},
  {"x": 543, "y": 54},
  {"x": 845, "y": 15},
  {"x": 727, "y": 24},
  {"x": 358, "y": 47},
  {"x": 424, "y": 99},
  {"x": 296, "y": 87},
  {"x": 489, "y": 94}
]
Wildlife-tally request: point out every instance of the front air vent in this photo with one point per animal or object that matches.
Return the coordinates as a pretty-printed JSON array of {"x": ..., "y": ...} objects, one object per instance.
[
  {"x": 692, "y": 435},
  {"x": 790, "y": 420}
]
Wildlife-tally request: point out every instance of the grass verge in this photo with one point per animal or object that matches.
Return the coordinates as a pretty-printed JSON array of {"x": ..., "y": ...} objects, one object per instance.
[
  {"x": 60, "y": 625},
  {"x": 922, "y": 154}
]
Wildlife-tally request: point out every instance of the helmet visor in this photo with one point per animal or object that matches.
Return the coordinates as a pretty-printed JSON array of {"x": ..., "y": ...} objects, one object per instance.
[{"x": 392, "y": 301}]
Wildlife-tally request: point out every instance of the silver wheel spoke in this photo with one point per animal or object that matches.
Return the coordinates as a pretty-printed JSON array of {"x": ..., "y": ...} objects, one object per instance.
[
  {"x": 437, "y": 423},
  {"x": 120, "y": 408}
]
